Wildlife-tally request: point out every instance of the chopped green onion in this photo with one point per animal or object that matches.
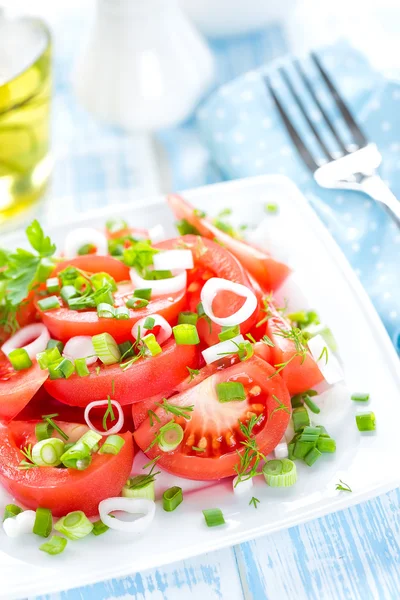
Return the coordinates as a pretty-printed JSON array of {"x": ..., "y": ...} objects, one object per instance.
[
  {"x": 11, "y": 510},
  {"x": 52, "y": 285},
  {"x": 360, "y": 397},
  {"x": 323, "y": 431},
  {"x": 302, "y": 448},
  {"x": 136, "y": 303},
  {"x": 99, "y": 527},
  {"x": 68, "y": 275},
  {"x": 149, "y": 323},
  {"x": 311, "y": 405},
  {"x": 86, "y": 249},
  {"x": 81, "y": 367},
  {"x": 366, "y": 421},
  {"x": 126, "y": 349},
  {"x": 229, "y": 391},
  {"x": 153, "y": 275},
  {"x": 43, "y": 522},
  {"x": 48, "y": 357},
  {"x": 271, "y": 207},
  {"x": 326, "y": 445},
  {"x": 172, "y": 498},
  {"x": 75, "y": 525},
  {"x": 103, "y": 296},
  {"x": 43, "y": 431},
  {"x": 55, "y": 344},
  {"x": 65, "y": 367},
  {"x": 78, "y": 456},
  {"x": 91, "y": 439},
  {"x": 280, "y": 473},
  {"x": 54, "y": 372},
  {"x": 312, "y": 456},
  {"x": 140, "y": 486},
  {"x": 122, "y": 312},
  {"x": 291, "y": 455},
  {"x": 112, "y": 445},
  {"x": 213, "y": 517},
  {"x": 19, "y": 358},
  {"x": 82, "y": 285},
  {"x": 68, "y": 292},
  {"x": 228, "y": 333},
  {"x": 186, "y": 334},
  {"x": 48, "y": 452},
  {"x": 99, "y": 280},
  {"x": 169, "y": 436},
  {"x": 55, "y": 545},
  {"x": 185, "y": 228},
  {"x": 188, "y": 318},
  {"x": 106, "y": 348},
  {"x": 116, "y": 224},
  {"x": 81, "y": 303},
  {"x": 105, "y": 311},
  {"x": 300, "y": 418},
  {"x": 151, "y": 344},
  {"x": 297, "y": 401},
  {"x": 49, "y": 303},
  {"x": 144, "y": 293},
  {"x": 245, "y": 350}
]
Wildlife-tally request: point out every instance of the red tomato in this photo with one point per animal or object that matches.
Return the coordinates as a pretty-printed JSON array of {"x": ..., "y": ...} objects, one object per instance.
[
  {"x": 212, "y": 260},
  {"x": 25, "y": 314},
  {"x": 299, "y": 374},
  {"x": 61, "y": 490},
  {"x": 96, "y": 264},
  {"x": 64, "y": 323},
  {"x": 214, "y": 425},
  {"x": 147, "y": 377},
  {"x": 124, "y": 232},
  {"x": 17, "y": 387},
  {"x": 269, "y": 273}
]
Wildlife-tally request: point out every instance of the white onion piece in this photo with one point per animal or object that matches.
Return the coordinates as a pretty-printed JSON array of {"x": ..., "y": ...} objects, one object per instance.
[
  {"x": 163, "y": 335},
  {"x": 134, "y": 506},
  {"x": 115, "y": 428},
  {"x": 159, "y": 286},
  {"x": 22, "y": 523},
  {"x": 22, "y": 339},
  {"x": 85, "y": 235},
  {"x": 336, "y": 408},
  {"x": 173, "y": 259},
  {"x": 157, "y": 234},
  {"x": 220, "y": 350},
  {"x": 243, "y": 487},
  {"x": 281, "y": 450},
  {"x": 330, "y": 368},
  {"x": 80, "y": 346},
  {"x": 217, "y": 284}
]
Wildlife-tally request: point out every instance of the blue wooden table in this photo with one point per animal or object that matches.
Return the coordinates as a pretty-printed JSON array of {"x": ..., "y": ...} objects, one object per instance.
[{"x": 354, "y": 554}]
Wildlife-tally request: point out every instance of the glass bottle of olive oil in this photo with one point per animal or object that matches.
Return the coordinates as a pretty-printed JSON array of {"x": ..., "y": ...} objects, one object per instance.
[{"x": 25, "y": 72}]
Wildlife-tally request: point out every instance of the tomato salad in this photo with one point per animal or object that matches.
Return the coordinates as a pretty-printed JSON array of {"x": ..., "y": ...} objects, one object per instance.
[{"x": 127, "y": 341}]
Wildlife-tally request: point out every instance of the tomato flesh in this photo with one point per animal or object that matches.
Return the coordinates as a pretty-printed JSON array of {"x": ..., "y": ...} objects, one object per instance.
[
  {"x": 61, "y": 490},
  {"x": 17, "y": 387},
  {"x": 93, "y": 263}
]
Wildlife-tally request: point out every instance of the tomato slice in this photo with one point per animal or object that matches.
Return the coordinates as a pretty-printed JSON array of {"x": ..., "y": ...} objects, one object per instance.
[
  {"x": 299, "y": 374},
  {"x": 61, "y": 490},
  {"x": 17, "y": 387},
  {"x": 147, "y": 377},
  {"x": 214, "y": 425},
  {"x": 94, "y": 263},
  {"x": 269, "y": 272},
  {"x": 64, "y": 323},
  {"x": 212, "y": 260}
]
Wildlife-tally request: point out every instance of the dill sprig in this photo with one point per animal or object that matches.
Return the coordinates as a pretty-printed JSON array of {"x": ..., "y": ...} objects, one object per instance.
[
  {"x": 343, "y": 487},
  {"x": 140, "y": 481},
  {"x": 193, "y": 373},
  {"x": 251, "y": 457},
  {"x": 28, "y": 462},
  {"x": 254, "y": 501},
  {"x": 178, "y": 411}
]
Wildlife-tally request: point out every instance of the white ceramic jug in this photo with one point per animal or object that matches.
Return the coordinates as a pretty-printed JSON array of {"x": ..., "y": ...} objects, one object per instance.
[{"x": 145, "y": 66}]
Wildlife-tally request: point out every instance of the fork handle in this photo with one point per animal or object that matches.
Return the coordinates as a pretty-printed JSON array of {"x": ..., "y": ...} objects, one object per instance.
[{"x": 377, "y": 189}]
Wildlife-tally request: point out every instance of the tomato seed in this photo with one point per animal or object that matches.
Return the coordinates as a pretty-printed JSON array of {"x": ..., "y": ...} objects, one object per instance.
[
  {"x": 190, "y": 440},
  {"x": 255, "y": 390},
  {"x": 193, "y": 287},
  {"x": 203, "y": 443},
  {"x": 258, "y": 408}
]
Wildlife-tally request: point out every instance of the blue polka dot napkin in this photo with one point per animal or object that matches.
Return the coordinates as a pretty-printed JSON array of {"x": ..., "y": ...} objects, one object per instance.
[{"x": 245, "y": 137}]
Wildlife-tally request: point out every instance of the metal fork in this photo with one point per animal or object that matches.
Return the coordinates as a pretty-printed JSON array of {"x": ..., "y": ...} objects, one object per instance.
[{"x": 355, "y": 166}]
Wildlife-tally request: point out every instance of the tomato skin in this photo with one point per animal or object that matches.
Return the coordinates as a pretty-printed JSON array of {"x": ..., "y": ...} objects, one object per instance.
[
  {"x": 64, "y": 323},
  {"x": 17, "y": 387},
  {"x": 147, "y": 377},
  {"x": 94, "y": 263},
  {"x": 210, "y": 468},
  {"x": 61, "y": 490},
  {"x": 269, "y": 272}
]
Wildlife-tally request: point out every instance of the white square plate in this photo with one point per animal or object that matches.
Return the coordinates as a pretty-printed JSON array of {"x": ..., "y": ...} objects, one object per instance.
[{"x": 368, "y": 463}]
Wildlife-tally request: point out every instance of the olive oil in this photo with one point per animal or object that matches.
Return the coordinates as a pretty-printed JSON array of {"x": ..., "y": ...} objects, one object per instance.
[{"x": 24, "y": 123}]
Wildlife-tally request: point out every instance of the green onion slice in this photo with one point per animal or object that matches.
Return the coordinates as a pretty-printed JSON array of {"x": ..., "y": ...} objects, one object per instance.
[
  {"x": 213, "y": 517},
  {"x": 186, "y": 334},
  {"x": 144, "y": 294},
  {"x": 366, "y": 421},
  {"x": 43, "y": 431},
  {"x": 360, "y": 397},
  {"x": 105, "y": 311},
  {"x": 187, "y": 318},
  {"x": 228, "y": 333},
  {"x": 99, "y": 528},
  {"x": 43, "y": 522},
  {"x": 55, "y": 545},
  {"x": 172, "y": 498},
  {"x": 48, "y": 452},
  {"x": 75, "y": 525},
  {"x": 139, "y": 487},
  {"x": 151, "y": 344},
  {"x": 106, "y": 348},
  {"x": 280, "y": 473},
  {"x": 49, "y": 303},
  {"x": 229, "y": 391},
  {"x": 19, "y": 359},
  {"x": 169, "y": 436},
  {"x": 11, "y": 510},
  {"x": 112, "y": 445}
]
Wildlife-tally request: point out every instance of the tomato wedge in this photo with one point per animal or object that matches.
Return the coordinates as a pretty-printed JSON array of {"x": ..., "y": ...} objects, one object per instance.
[
  {"x": 94, "y": 263},
  {"x": 64, "y": 323},
  {"x": 17, "y": 387},
  {"x": 147, "y": 377},
  {"x": 212, "y": 260},
  {"x": 61, "y": 490},
  {"x": 269, "y": 272},
  {"x": 214, "y": 428}
]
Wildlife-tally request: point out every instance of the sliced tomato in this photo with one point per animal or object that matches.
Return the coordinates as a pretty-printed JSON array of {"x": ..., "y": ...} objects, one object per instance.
[
  {"x": 64, "y": 323},
  {"x": 61, "y": 490},
  {"x": 300, "y": 374},
  {"x": 214, "y": 426},
  {"x": 212, "y": 260},
  {"x": 147, "y": 377},
  {"x": 17, "y": 387},
  {"x": 25, "y": 314},
  {"x": 269, "y": 272},
  {"x": 127, "y": 231},
  {"x": 94, "y": 263}
]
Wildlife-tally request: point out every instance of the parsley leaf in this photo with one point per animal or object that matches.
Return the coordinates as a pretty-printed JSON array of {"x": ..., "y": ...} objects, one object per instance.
[{"x": 39, "y": 242}]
